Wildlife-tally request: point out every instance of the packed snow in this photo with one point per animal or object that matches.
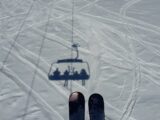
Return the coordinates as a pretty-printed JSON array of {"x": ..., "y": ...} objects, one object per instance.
[{"x": 118, "y": 38}]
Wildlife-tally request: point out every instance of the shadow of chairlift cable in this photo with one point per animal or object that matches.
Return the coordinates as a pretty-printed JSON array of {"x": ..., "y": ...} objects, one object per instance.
[{"x": 70, "y": 69}]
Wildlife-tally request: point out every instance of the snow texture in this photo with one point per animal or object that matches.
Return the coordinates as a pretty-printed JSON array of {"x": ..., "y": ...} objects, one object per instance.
[{"x": 118, "y": 38}]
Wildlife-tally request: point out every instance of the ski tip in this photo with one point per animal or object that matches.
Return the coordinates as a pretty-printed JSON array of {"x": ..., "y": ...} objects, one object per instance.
[
  {"x": 75, "y": 96},
  {"x": 96, "y": 99},
  {"x": 96, "y": 95}
]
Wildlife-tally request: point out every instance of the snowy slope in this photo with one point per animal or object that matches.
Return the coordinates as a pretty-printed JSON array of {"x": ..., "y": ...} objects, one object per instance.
[{"x": 118, "y": 38}]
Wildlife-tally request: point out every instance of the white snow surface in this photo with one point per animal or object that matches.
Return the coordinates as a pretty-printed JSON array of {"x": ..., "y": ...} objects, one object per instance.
[{"x": 120, "y": 39}]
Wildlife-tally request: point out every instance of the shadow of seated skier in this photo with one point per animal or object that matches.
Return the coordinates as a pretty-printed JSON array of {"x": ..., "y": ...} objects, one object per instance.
[
  {"x": 66, "y": 77},
  {"x": 83, "y": 74},
  {"x": 76, "y": 75},
  {"x": 56, "y": 74}
]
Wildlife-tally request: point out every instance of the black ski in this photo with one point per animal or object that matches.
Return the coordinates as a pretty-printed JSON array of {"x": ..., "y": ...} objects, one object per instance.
[
  {"x": 76, "y": 106},
  {"x": 96, "y": 107}
]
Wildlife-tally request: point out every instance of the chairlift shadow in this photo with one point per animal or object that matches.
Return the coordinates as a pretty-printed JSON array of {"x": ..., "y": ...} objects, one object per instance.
[{"x": 71, "y": 72}]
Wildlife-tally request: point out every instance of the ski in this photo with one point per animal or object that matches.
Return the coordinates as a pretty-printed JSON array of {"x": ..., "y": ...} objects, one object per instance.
[
  {"x": 76, "y": 106},
  {"x": 96, "y": 107}
]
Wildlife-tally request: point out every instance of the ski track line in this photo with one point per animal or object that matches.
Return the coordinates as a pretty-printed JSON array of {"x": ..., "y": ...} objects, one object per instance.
[
  {"x": 123, "y": 12},
  {"x": 32, "y": 53},
  {"x": 60, "y": 41},
  {"x": 151, "y": 76},
  {"x": 24, "y": 13},
  {"x": 17, "y": 15},
  {"x": 137, "y": 85},
  {"x": 151, "y": 79},
  {"x": 151, "y": 44},
  {"x": 33, "y": 80},
  {"x": 34, "y": 94},
  {"x": 111, "y": 63},
  {"x": 119, "y": 22},
  {"x": 48, "y": 38},
  {"x": 117, "y": 45},
  {"x": 114, "y": 108},
  {"x": 151, "y": 49},
  {"x": 109, "y": 49},
  {"x": 116, "y": 54},
  {"x": 13, "y": 43},
  {"x": 148, "y": 63},
  {"x": 77, "y": 32},
  {"x": 10, "y": 96},
  {"x": 120, "y": 34},
  {"x": 41, "y": 73},
  {"x": 34, "y": 91},
  {"x": 123, "y": 89},
  {"x": 145, "y": 44},
  {"x": 64, "y": 17},
  {"x": 6, "y": 9},
  {"x": 19, "y": 31},
  {"x": 31, "y": 112},
  {"x": 143, "y": 70},
  {"x": 45, "y": 21},
  {"x": 133, "y": 96},
  {"x": 143, "y": 63},
  {"x": 124, "y": 81},
  {"x": 152, "y": 73},
  {"x": 145, "y": 24}
]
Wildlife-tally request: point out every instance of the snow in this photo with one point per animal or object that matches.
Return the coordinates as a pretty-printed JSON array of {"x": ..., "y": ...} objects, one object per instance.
[{"x": 118, "y": 38}]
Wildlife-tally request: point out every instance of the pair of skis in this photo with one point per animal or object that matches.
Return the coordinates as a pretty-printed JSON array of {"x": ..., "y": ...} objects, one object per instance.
[{"x": 77, "y": 107}]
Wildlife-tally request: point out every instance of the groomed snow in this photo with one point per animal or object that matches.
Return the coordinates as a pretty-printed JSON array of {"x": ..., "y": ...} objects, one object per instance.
[{"x": 120, "y": 39}]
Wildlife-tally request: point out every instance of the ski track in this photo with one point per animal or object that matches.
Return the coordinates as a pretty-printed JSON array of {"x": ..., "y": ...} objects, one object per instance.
[
  {"x": 21, "y": 26},
  {"x": 137, "y": 38},
  {"x": 25, "y": 13},
  {"x": 117, "y": 45},
  {"x": 133, "y": 96},
  {"x": 77, "y": 32},
  {"x": 36, "y": 66},
  {"x": 19, "y": 31},
  {"x": 17, "y": 15},
  {"x": 11, "y": 75},
  {"x": 40, "y": 73},
  {"x": 144, "y": 70},
  {"x": 155, "y": 28},
  {"x": 129, "y": 106},
  {"x": 143, "y": 42},
  {"x": 107, "y": 105},
  {"x": 5, "y": 8},
  {"x": 140, "y": 24},
  {"x": 120, "y": 22}
]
